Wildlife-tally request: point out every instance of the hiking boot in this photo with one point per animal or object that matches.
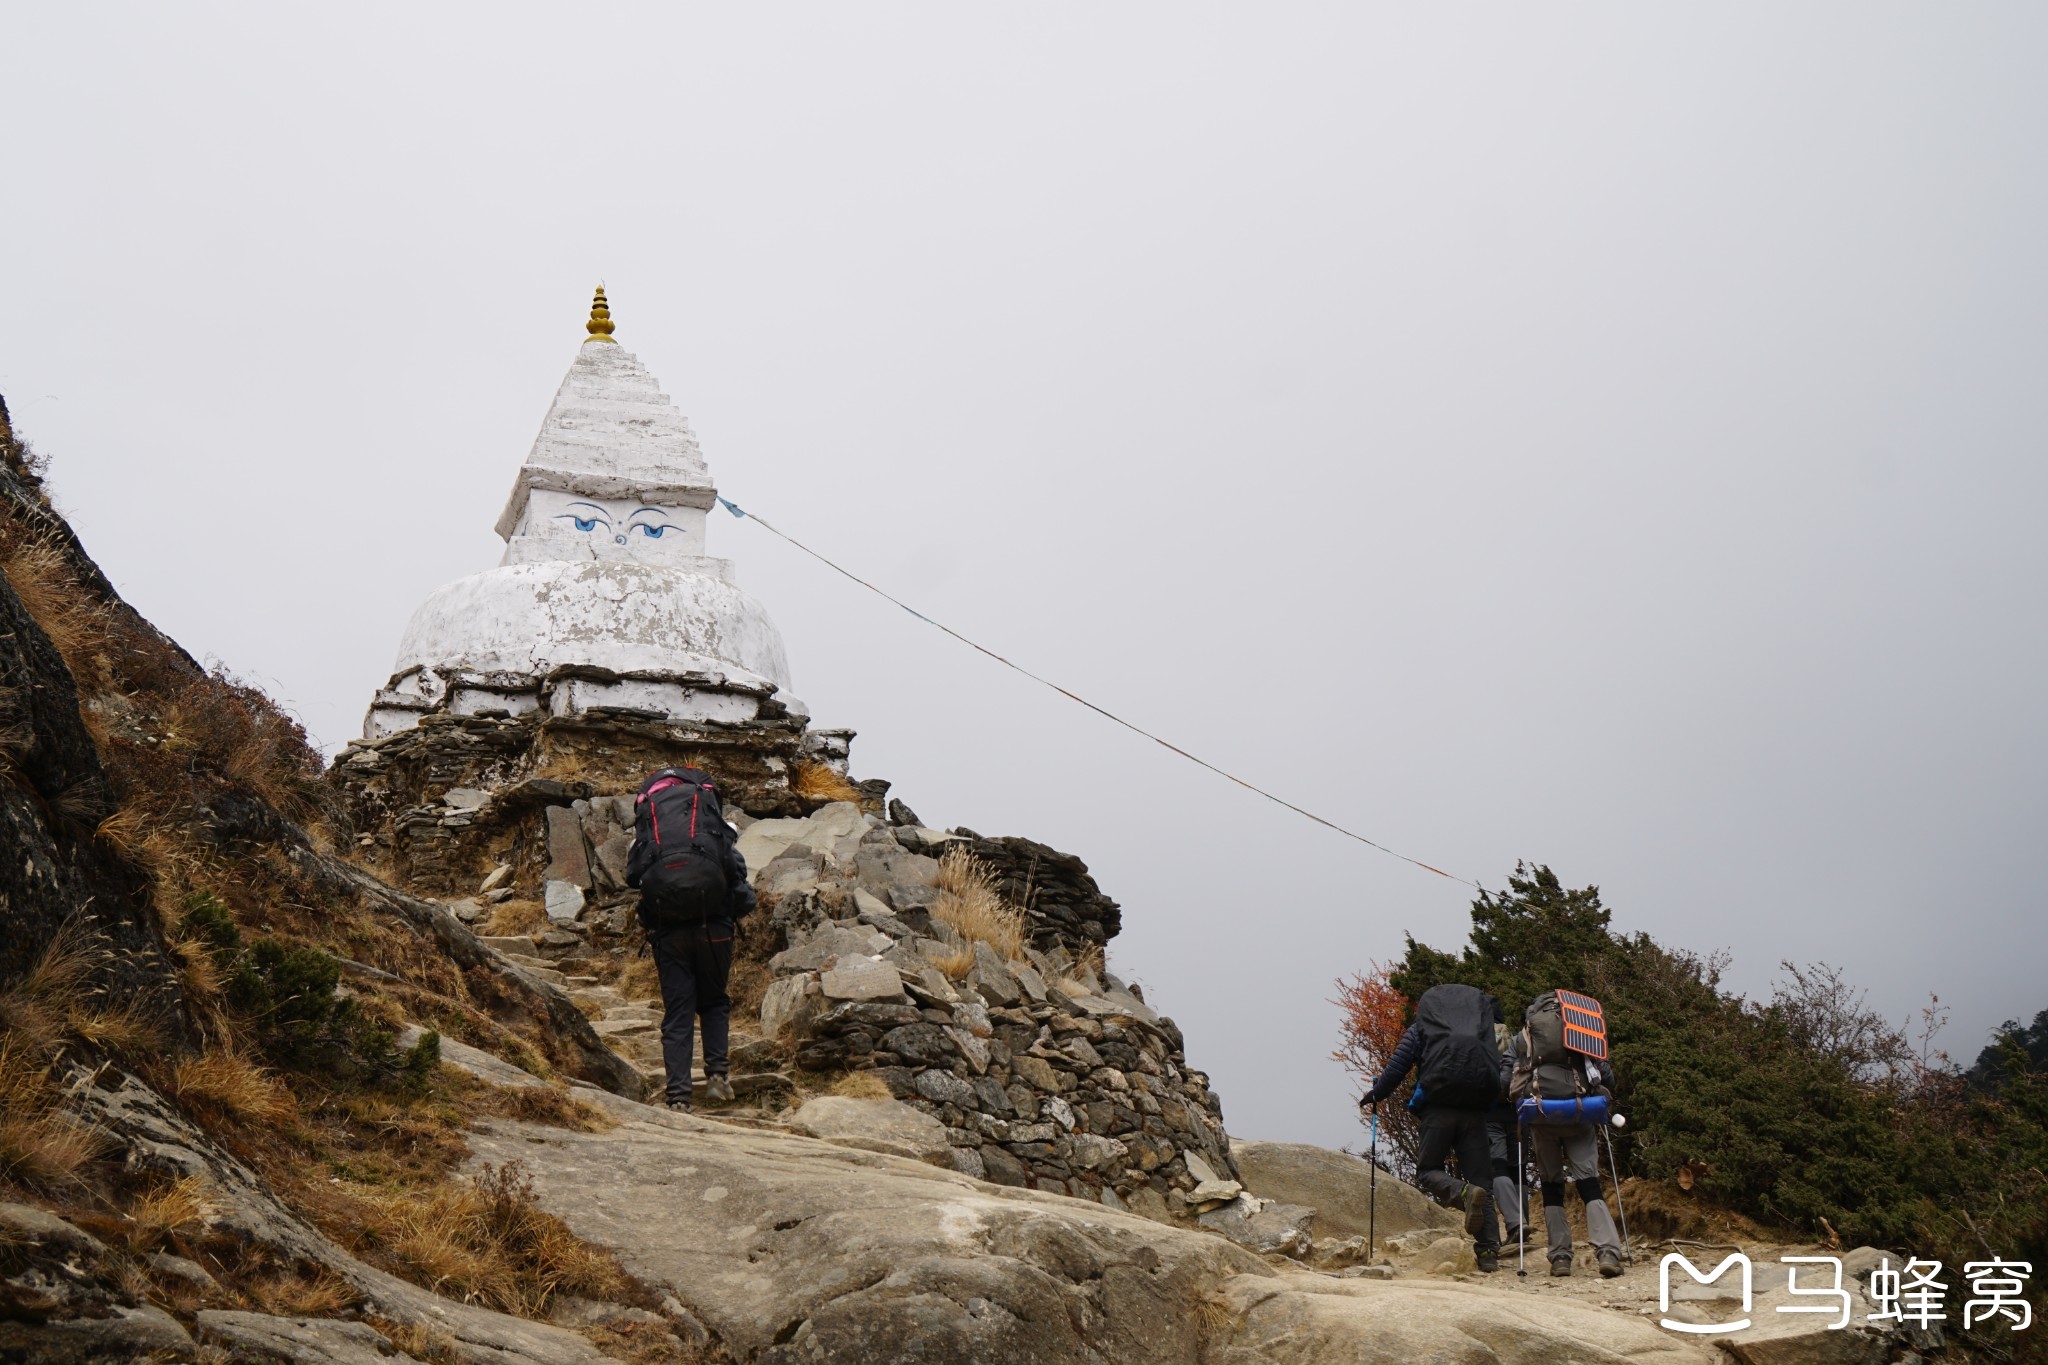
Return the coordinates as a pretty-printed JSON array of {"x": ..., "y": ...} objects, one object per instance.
[
  {"x": 678, "y": 1106},
  {"x": 718, "y": 1090},
  {"x": 1478, "y": 1209},
  {"x": 1610, "y": 1265},
  {"x": 1488, "y": 1262},
  {"x": 1561, "y": 1268}
]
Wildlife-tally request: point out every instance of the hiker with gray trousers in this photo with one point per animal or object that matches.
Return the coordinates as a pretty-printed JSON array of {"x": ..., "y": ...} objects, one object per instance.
[
  {"x": 1458, "y": 1076},
  {"x": 1538, "y": 1065}
]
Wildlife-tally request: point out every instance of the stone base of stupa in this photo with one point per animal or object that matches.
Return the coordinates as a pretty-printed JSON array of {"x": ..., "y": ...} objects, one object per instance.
[
  {"x": 436, "y": 799},
  {"x": 697, "y": 697}
]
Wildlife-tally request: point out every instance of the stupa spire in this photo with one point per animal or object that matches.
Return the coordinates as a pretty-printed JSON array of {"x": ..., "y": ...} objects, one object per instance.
[{"x": 600, "y": 324}]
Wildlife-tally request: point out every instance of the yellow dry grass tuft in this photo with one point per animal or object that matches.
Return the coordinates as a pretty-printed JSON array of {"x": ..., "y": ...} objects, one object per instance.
[
  {"x": 490, "y": 1242},
  {"x": 39, "y": 1144},
  {"x": 638, "y": 980},
  {"x": 516, "y": 917},
  {"x": 955, "y": 964},
  {"x": 319, "y": 1294},
  {"x": 555, "y": 1106},
  {"x": 228, "y": 1083},
  {"x": 969, "y": 902},
  {"x": 816, "y": 782},
  {"x": 73, "y": 619},
  {"x": 860, "y": 1085},
  {"x": 181, "y": 1206}
]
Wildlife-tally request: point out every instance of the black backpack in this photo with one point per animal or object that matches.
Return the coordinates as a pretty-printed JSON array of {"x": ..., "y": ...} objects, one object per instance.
[
  {"x": 1460, "y": 1062},
  {"x": 680, "y": 847}
]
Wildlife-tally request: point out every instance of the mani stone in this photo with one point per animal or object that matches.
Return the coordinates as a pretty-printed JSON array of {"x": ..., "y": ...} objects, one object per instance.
[
  {"x": 568, "y": 855},
  {"x": 857, "y": 976}
]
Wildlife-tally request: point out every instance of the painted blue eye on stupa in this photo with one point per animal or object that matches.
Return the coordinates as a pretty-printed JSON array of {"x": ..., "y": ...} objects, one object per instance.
[
  {"x": 591, "y": 522},
  {"x": 653, "y": 526}
]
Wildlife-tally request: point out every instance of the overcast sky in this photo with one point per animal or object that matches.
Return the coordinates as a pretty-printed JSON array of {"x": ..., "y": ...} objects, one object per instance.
[{"x": 1609, "y": 436}]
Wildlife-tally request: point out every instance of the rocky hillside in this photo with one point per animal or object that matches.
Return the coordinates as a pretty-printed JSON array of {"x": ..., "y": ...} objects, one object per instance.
[{"x": 348, "y": 1066}]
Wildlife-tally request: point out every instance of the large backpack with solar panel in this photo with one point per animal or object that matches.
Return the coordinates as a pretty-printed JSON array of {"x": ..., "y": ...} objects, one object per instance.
[{"x": 1563, "y": 1034}]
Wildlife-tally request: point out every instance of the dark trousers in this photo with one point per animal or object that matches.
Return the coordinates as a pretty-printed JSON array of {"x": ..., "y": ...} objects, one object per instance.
[
  {"x": 693, "y": 964},
  {"x": 1444, "y": 1131}
]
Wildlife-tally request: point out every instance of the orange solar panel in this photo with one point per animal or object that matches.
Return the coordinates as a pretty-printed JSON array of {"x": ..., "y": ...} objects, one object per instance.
[{"x": 1585, "y": 1024}]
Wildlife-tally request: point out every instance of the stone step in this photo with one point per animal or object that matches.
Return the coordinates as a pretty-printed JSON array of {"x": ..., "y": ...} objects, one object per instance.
[
  {"x": 624, "y": 1028},
  {"x": 509, "y": 943}
]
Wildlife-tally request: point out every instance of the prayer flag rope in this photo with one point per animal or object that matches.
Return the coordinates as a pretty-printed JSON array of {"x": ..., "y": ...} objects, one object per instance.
[{"x": 744, "y": 515}]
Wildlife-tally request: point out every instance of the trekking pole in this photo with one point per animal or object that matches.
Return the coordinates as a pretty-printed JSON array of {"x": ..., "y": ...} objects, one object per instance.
[
  {"x": 1620, "y": 1210},
  {"x": 1372, "y": 1212},
  {"x": 1521, "y": 1209}
]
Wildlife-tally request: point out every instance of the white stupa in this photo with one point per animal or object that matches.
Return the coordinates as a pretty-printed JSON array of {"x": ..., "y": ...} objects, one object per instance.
[{"x": 605, "y": 598}]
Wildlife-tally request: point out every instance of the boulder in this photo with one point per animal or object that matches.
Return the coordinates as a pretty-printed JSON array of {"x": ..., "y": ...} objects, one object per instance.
[
  {"x": 833, "y": 830},
  {"x": 992, "y": 978},
  {"x": 858, "y": 977},
  {"x": 888, "y": 1126},
  {"x": 1338, "y": 1186},
  {"x": 611, "y": 858}
]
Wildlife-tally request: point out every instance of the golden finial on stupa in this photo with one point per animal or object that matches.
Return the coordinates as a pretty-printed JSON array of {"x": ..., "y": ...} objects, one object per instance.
[{"x": 600, "y": 324}]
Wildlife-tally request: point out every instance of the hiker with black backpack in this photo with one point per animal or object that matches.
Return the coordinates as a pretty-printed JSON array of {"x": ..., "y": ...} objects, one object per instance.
[
  {"x": 1457, "y": 1066},
  {"x": 693, "y": 885},
  {"x": 1562, "y": 1092}
]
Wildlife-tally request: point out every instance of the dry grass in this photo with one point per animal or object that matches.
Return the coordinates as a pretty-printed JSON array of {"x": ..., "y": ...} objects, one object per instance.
[
  {"x": 418, "y": 1339},
  {"x": 955, "y": 964},
  {"x": 556, "y": 1106},
  {"x": 489, "y": 1242},
  {"x": 321, "y": 1293},
  {"x": 969, "y": 902},
  {"x": 73, "y": 619},
  {"x": 161, "y": 1213},
  {"x": 39, "y": 1144},
  {"x": 637, "y": 979},
  {"x": 816, "y": 782},
  {"x": 860, "y": 1085},
  {"x": 229, "y": 1084},
  {"x": 516, "y": 917},
  {"x": 128, "y": 832}
]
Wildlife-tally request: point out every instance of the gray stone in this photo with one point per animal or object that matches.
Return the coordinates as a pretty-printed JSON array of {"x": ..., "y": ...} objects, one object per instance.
[
  {"x": 993, "y": 1098},
  {"x": 889, "y": 1126},
  {"x": 1270, "y": 1230},
  {"x": 568, "y": 854},
  {"x": 857, "y": 977},
  {"x": 882, "y": 867},
  {"x": 943, "y": 1087},
  {"x": 974, "y": 1018},
  {"x": 788, "y": 1003},
  {"x": 967, "y": 1161},
  {"x": 834, "y": 830},
  {"x": 787, "y": 877},
  {"x": 1199, "y": 1167},
  {"x": 194, "y": 1277},
  {"x": 971, "y": 1048},
  {"x": 500, "y": 874},
  {"x": 905, "y": 897},
  {"x": 1208, "y": 1191},
  {"x": 465, "y": 798},
  {"x": 1339, "y": 1187},
  {"x": 1060, "y": 1112},
  {"x": 1032, "y": 983},
  {"x": 1036, "y": 1073},
  {"x": 296, "y": 1341},
  {"x": 611, "y": 858},
  {"x": 564, "y": 899},
  {"x": 129, "y": 1333},
  {"x": 25, "y": 1223},
  {"x": 830, "y": 941},
  {"x": 1095, "y": 1153},
  {"x": 992, "y": 978}
]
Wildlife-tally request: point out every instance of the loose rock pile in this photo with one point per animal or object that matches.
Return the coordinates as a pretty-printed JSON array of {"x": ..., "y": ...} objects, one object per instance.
[{"x": 1043, "y": 1071}]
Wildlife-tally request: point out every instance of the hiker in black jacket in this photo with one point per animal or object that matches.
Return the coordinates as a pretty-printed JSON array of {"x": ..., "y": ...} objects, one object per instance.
[
  {"x": 1451, "y": 1048},
  {"x": 686, "y": 864}
]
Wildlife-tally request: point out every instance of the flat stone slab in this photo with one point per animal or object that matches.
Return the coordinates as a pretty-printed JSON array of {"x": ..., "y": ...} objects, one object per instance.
[
  {"x": 888, "y": 1126},
  {"x": 297, "y": 1341},
  {"x": 858, "y": 977}
]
